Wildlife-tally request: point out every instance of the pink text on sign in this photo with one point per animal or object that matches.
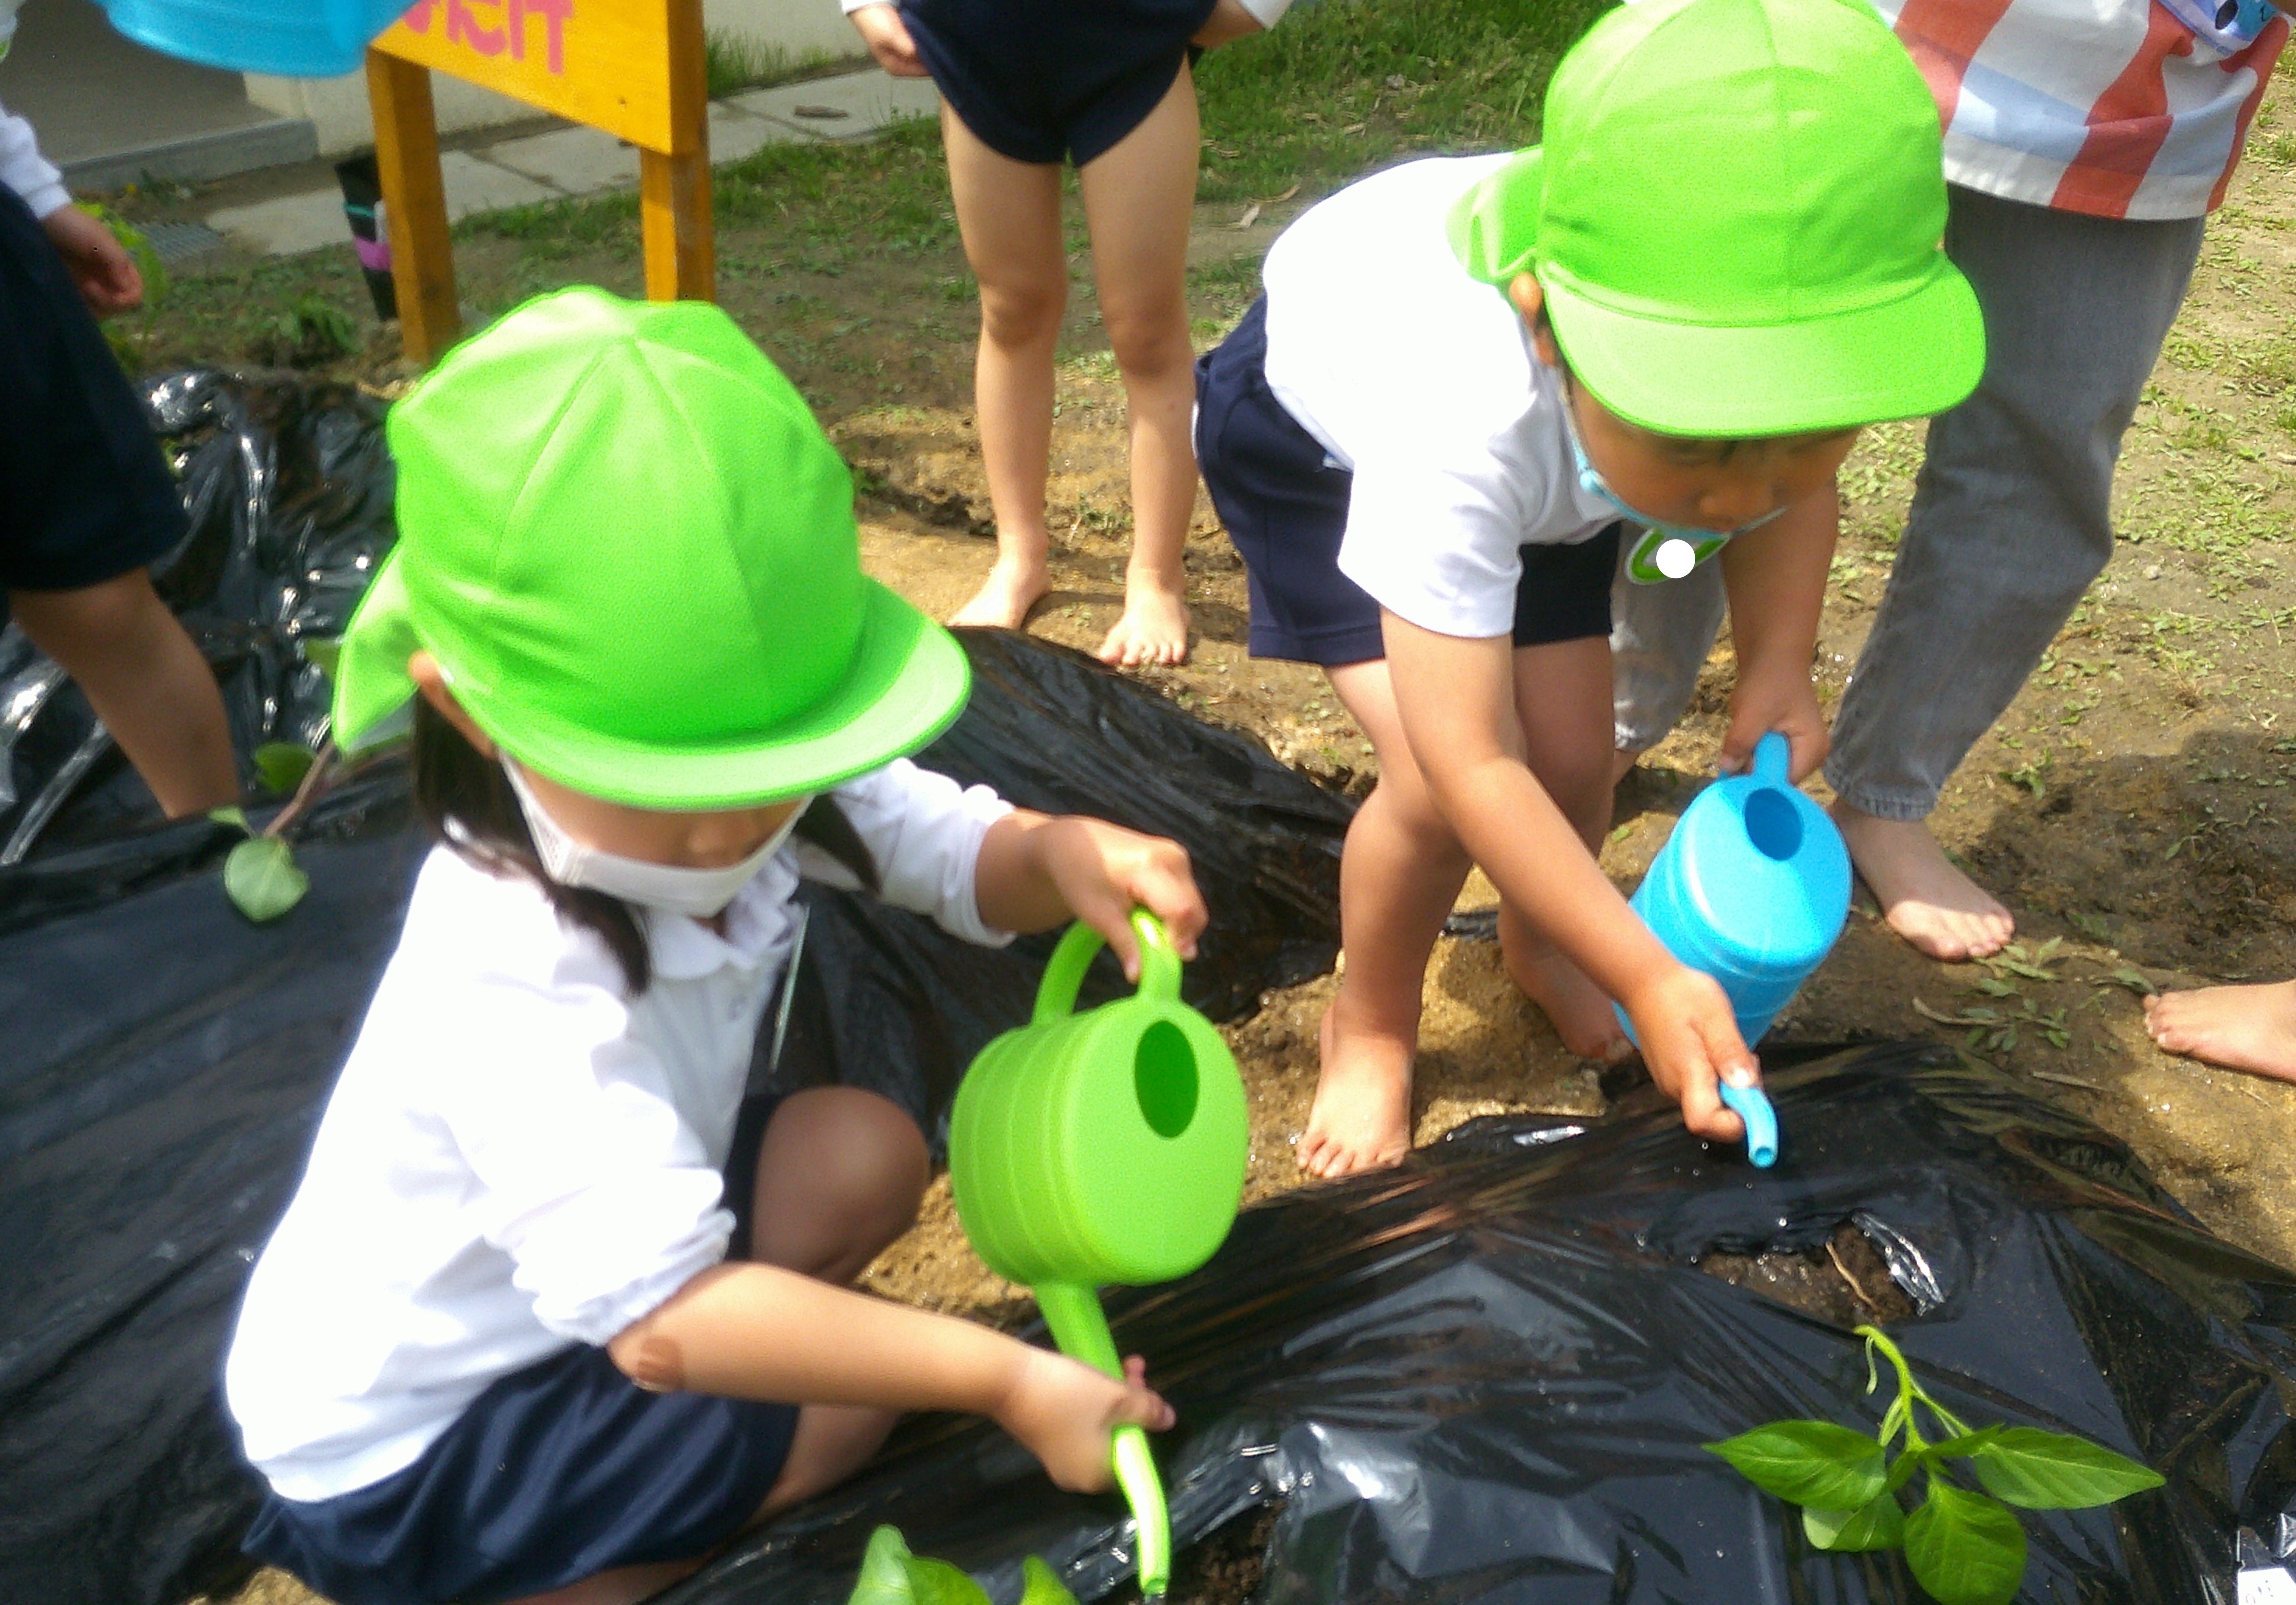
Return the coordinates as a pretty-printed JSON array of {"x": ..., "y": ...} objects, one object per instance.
[{"x": 464, "y": 26}]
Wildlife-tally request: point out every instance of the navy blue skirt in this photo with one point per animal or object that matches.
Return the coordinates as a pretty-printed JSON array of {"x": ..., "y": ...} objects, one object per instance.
[
  {"x": 84, "y": 495},
  {"x": 1283, "y": 503},
  {"x": 555, "y": 1473},
  {"x": 1037, "y": 80}
]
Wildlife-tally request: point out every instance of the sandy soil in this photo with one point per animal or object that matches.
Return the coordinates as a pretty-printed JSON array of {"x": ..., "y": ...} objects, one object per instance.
[{"x": 2132, "y": 807}]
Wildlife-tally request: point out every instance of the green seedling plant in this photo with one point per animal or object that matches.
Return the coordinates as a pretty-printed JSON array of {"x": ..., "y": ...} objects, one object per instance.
[
  {"x": 1964, "y": 1545},
  {"x": 891, "y": 1575},
  {"x": 260, "y": 875}
]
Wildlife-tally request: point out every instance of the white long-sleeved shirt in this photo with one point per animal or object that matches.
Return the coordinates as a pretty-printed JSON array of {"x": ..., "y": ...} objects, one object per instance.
[
  {"x": 520, "y": 1155},
  {"x": 22, "y": 167}
]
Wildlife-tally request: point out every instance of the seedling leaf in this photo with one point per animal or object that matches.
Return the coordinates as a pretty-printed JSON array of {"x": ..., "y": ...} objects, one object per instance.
[
  {"x": 1964, "y": 1547},
  {"x": 1808, "y": 1463},
  {"x": 281, "y": 766},
  {"x": 1880, "y": 1523},
  {"x": 891, "y": 1575},
  {"x": 262, "y": 878},
  {"x": 323, "y": 652},
  {"x": 2051, "y": 1471},
  {"x": 1038, "y": 1586},
  {"x": 233, "y": 815}
]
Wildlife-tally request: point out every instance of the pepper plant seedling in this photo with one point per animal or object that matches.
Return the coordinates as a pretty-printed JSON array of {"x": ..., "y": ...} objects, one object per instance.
[
  {"x": 1963, "y": 1546},
  {"x": 891, "y": 1575}
]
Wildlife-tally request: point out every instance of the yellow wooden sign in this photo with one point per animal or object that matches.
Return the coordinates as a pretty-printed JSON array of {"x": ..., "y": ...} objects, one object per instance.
[
  {"x": 604, "y": 62},
  {"x": 634, "y": 68}
]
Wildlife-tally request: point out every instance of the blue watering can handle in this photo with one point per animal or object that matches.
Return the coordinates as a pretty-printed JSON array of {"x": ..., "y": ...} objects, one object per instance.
[
  {"x": 1773, "y": 759},
  {"x": 1159, "y": 966}
]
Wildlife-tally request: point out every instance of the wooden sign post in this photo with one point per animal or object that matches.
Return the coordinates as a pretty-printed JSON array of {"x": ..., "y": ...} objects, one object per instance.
[{"x": 632, "y": 67}]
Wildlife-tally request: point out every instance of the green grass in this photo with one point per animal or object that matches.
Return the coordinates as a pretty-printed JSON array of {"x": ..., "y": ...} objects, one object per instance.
[{"x": 735, "y": 62}]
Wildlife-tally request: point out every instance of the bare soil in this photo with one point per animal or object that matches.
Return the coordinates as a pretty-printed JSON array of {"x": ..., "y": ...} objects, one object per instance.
[{"x": 2132, "y": 807}]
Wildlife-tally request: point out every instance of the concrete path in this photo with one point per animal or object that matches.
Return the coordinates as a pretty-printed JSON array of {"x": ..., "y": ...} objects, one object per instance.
[{"x": 529, "y": 167}]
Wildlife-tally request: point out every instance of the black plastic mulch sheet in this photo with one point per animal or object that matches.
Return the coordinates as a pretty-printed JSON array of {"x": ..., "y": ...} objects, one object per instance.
[
  {"x": 165, "y": 1061},
  {"x": 1485, "y": 1378}
]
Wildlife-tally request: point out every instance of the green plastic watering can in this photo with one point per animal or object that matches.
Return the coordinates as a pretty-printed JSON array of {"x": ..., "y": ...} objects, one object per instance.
[{"x": 1106, "y": 1148}]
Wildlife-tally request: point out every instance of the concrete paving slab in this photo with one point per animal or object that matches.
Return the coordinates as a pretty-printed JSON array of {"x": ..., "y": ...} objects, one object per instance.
[
  {"x": 287, "y": 225},
  {"x": 734, "y": 133},
  {"x": 473, "y": 185},
  {"x": 579, "y": 161},
  {"x": 853, "y": 106}
]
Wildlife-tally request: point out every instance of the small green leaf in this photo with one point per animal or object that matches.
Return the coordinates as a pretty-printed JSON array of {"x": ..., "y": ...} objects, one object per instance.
[
  {"x": 1964, "y": 1547},
  {"x": 1808, "y": 1463},
  {"x": 281, "y": 766},
  {"x": 323, "y": 652},
  {"x": 1965, "y": 1444},
  {"x": 1880, "y": 1523},
  {"x": 2051, "y": 1471},
  {"x": 1038, "y": 1586},
  {"x": 262, "y": 877},
  {"x": 233, "y": 815},
  {"x": 891, "y": 1575}
]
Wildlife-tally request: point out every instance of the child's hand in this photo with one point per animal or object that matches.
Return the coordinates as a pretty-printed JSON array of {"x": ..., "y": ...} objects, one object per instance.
[
  {"x": 1690, "y": 1041},
  {"x": 1103, "y": 871},
  {"x": 1063, "y": 1410},
  {"x": 101, "y": 269},
  {"x": 1785, "y": 703},
  {"x": 887, "y": 36},
  {"x": 1228, "y": 20}
]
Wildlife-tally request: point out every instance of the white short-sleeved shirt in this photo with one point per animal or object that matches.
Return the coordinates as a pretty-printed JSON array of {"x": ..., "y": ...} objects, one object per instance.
[
  {"x": 518, "y": 1155},
  {"x": 1423, "y": 381}
]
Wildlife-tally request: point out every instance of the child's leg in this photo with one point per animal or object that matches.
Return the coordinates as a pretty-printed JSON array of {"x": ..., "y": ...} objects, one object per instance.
[
  {"x": 1562, "y": 696},
  {"x": 1139, "y": 199},
  {"x": 1400, "y": 874},
  {"x": 2249, "y": 1029},
  {"x": 147, "y": 681},
  {"x": 841, "y": 1173},
  {"x": 1009, "y": 213}
]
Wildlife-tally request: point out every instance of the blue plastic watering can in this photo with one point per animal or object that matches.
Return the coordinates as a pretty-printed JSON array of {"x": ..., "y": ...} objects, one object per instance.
[
  {"x": 1752, "y": 889},
  {"x": 290, "y": 38}
]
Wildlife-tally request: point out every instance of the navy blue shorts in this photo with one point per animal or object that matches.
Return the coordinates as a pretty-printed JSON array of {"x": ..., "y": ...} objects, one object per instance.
[
  {"x": 84, "y": 495},
  {"x": 555, "y": 1473},
  {"x": 1037, "y": 80},
  {"x": 1284, "y": 503}
]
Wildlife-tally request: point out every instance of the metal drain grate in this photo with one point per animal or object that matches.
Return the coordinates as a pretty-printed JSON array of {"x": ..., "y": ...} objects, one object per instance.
[{"x": 181, "y": 242}]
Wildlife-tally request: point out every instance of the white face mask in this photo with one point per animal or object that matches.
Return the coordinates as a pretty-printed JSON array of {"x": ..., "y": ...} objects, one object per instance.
[{"x": 696, "y": 893}]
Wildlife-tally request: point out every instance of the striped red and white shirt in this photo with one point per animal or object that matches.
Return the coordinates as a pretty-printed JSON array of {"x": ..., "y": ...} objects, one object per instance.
[{"x": 2108, "y": 107}]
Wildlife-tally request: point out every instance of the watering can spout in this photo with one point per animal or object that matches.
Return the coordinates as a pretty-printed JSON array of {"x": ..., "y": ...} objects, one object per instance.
[{"x": 1079, "y": 1327}]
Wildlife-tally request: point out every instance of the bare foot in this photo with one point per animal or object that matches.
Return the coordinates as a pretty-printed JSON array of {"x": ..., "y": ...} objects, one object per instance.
[
  {"x": 2241, "y": 1028},
  {"x": 1154, "y": 628},
  {"x": 1927, "y": 901},
  {"x": 1581, "y": 1010},
  {"x": 1362, "y": 1116},
  {"x": 1005, "y": 598}
]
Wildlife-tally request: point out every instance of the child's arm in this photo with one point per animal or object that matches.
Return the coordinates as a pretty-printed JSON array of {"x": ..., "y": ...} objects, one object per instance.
[
  {"x": 756, "y": 1331},
  {"x": 880, "y": 27},
  {"x": 1035, "y": 871},
  {"x": 1455, "y": 697},
  {"x": 1776, "y": 577}
]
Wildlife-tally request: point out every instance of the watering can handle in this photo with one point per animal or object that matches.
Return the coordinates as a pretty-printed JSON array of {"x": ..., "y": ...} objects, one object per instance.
[
  {"x": 1159, "y": 966},
  {"x": 1080, "y": 1327},
  {"x": 1774, "y": 758}
]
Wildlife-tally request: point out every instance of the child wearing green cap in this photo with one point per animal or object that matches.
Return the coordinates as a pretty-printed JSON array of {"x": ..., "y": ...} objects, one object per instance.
[
  {"x": 556, "y": 1310},
  {"x": 1470, "y": 379}
]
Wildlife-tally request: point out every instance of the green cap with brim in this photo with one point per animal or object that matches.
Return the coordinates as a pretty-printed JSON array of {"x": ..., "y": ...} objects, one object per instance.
[
  {"x": 1737, "y": 219},
  {"x": 631, "y": 549}
]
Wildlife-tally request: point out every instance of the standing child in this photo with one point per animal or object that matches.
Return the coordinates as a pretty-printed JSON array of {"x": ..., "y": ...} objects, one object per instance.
[
  {"x": 554, "y": 1312},
  {"x": 1465, "y": 373},
  {"x": 1106, "y": 84},
  {"x": 86, "y": 504}
]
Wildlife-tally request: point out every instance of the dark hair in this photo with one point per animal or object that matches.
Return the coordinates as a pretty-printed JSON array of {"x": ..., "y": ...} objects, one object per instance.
[{"x": 465, "y": 798}]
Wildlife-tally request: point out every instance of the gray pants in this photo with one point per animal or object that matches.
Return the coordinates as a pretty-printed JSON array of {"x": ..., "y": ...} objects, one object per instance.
[{"x": 2010, "y": 516}]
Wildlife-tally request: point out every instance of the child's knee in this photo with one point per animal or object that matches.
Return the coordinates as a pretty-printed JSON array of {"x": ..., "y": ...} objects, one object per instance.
[
  {"x": 1022, "y": 312},
  {"x": 857, "y": 1158},
  {"x": 1150, "y": 342}
]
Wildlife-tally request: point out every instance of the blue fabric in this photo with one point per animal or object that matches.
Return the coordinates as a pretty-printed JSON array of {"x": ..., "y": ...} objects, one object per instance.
[
  {"x": 1037, "y": 80},
  {"x": 84, "y": 495},
  {"x": 555, "y": 1473},
  {"x": 1284, "y": 505}
]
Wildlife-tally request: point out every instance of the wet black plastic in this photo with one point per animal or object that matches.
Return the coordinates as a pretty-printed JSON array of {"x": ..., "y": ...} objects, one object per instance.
[
  {"x": 166, "y": 1060},
  {"x": 1487, "y": 1378}
]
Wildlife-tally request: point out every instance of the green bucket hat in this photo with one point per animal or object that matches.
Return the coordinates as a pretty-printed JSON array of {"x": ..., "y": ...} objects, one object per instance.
[
  {"x": 631, "y": 549},
  {"x": 1737, "y": 218}
]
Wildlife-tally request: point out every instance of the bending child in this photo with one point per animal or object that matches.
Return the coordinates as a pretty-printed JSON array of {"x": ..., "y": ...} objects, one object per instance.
[
  {"x": 555, "y": 1310},
  {"x": 1024, "y": 84},
  {"x": 1470, "y": 379}
]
